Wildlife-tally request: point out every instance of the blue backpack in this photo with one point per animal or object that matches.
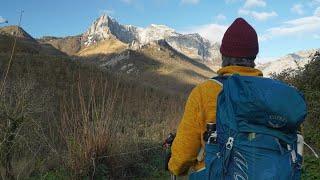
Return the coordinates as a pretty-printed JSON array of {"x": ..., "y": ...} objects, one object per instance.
[{"x": 257, "y": 123}]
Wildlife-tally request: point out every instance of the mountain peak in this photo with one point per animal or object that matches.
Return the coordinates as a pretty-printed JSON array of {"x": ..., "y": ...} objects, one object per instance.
[
  {"x": 106, "y": 27},
  {"x": 16, "y": 31},
  {"x": 193, "y": 45},
  {"x": 105, "y": 18}
]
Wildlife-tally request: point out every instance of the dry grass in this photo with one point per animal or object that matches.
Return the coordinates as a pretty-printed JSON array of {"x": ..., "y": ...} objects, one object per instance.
[
  {"x": 22, "y": 138},
  {"x": 105, "y": 47},
  {"x": 69, "y": 45},
  {"x": 83, "y": 120}
]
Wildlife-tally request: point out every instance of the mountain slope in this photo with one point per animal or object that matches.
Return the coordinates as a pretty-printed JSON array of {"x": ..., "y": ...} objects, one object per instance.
[
  {"x": 174, "y": 67},
  {"x": 69, "y": 45},
  {"x": 108, "y": 46},
  {"x": 156, "y": 64},
  {"x": 157, "y": 55},
  {"x": 293, "y": 61},
  {"x": 16, "y": 31},
  {"x": 25, "y": 42}
]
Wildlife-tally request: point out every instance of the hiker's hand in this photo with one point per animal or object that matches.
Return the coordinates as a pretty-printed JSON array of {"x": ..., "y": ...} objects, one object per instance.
[
  {"x": 168, "y": 142},
  {"x": 167, "y": 146}
]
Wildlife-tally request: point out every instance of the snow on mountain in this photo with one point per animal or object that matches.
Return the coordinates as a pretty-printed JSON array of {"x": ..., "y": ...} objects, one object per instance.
[
  {"x": 105, "y": 27},
  {"x": 155, "y": 32},
  {"x": 192, "y": 45},
  {"x": 292, "y": 61}
]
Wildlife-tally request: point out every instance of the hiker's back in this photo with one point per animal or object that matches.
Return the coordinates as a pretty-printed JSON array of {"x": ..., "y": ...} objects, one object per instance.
[
  {"x": 257, "y": 122},
  {"x": 200, "y": 109}
]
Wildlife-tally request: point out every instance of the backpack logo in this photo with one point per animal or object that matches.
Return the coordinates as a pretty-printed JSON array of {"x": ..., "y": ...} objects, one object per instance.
[{"x": 277, "y": 121}]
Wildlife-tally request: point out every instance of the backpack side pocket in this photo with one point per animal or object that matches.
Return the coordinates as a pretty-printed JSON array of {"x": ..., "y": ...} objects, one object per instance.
[{"x": 214, "y": 162}]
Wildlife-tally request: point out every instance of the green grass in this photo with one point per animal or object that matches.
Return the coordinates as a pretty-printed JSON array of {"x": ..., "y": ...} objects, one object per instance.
[
  {"x": 57, "y": 174},
  {"x": 311, "y": 168}
]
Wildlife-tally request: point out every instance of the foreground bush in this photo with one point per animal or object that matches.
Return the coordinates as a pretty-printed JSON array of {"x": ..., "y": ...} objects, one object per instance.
[{"x": 307, "y": 80}]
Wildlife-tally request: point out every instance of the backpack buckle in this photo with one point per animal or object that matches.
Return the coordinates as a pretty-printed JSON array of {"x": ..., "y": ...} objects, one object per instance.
[
  {"x": 229, "y": 143},
  {"x": 293, "y": 154}
]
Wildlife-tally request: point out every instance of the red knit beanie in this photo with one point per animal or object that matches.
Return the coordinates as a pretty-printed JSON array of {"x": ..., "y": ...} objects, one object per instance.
[{"x": 240, "y": 40}]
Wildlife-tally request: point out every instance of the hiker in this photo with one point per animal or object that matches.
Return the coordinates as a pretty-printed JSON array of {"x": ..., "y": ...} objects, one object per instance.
[{"x": 239, "y": 49}]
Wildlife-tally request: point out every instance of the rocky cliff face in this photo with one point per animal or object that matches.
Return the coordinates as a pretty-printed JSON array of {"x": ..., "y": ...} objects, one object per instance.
[
  {"x": 106, "y": 27},
  {"x": 192, "y": 45},
  {"x": 155, "y": 32}
]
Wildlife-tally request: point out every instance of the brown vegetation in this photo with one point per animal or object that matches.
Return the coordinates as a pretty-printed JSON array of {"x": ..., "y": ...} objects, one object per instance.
[
  {"x": 56, "y": 112},
  {"x": 69, "y": 45},
  {"x": 105, "y": 47}
]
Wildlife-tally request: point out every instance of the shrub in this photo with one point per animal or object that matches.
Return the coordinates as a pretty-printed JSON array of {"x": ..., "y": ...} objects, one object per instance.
[{"x": 307, "y": 80}]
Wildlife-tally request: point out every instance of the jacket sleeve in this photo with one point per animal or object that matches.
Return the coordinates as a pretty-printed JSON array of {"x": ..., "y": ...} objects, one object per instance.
[{"x": 187, "y": 143}]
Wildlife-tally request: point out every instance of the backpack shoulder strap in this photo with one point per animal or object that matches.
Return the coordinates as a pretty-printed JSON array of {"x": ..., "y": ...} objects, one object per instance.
[{"x": 219, "y": 79}]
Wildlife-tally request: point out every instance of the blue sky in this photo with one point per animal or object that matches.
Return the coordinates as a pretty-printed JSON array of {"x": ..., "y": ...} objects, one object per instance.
[{"x": 283, "y": 26}]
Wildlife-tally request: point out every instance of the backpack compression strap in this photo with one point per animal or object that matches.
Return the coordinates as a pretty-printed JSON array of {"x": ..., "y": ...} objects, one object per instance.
[{"x": 229, "y": 144}]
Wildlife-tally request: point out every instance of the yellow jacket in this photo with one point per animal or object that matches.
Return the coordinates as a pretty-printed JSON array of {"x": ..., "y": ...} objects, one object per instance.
[{"x": 199, "y": 110}]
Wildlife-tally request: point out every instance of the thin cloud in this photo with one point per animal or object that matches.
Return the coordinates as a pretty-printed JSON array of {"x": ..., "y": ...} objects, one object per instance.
[
  {"x": 220, "y": 17},
  {"x": 230, "y": 1},
  {"x": 127, "y": 1},
  {"x": 259, "y": 16},
  {"x": 212, "y": 32},
  {"x": 298, "y": 9},
  {"x": 190, "y": 1},
  {"x": 138, "y": 5},
  {"x": 316, "y": 36},
  {"x": 254, "y": 3},
  {"x": 262, "y": 16},
  {"x": 317, "y": 12},
  {"x": 314, "y": 3},
  {"x": 3, "y": 20},
  {"x": 300, "y": 26},
  {"x": 243, "y": 12},
  {"x": 107, "y": 11}
]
